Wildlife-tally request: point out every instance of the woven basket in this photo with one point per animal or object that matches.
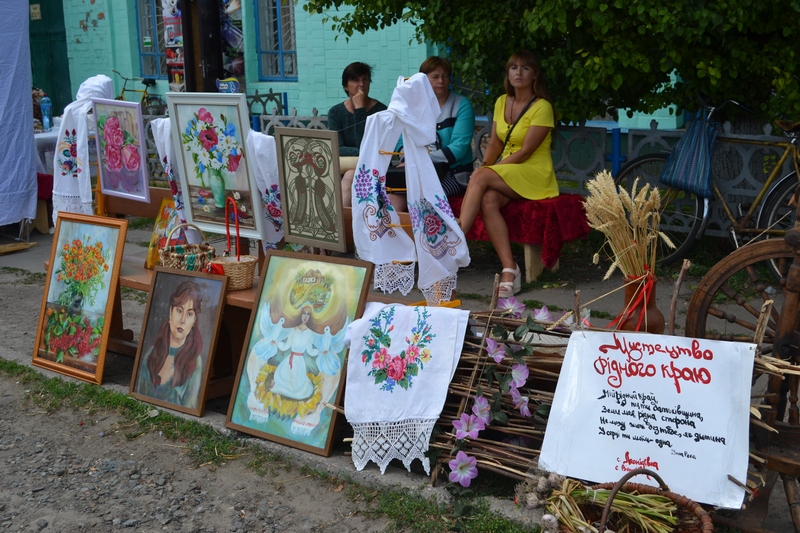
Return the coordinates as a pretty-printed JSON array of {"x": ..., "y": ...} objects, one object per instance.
[
  {"x": 242, "y": 268},
  {"x": 193, "y": 257},
  {"x": 692, "y": 518}
]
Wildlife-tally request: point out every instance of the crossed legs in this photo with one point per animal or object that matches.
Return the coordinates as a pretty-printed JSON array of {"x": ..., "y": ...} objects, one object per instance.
[{"x": 487, "y": 194}]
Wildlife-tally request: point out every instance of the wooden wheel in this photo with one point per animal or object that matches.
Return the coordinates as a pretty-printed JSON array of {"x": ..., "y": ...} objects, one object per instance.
[{"x": 727, "y": 302}]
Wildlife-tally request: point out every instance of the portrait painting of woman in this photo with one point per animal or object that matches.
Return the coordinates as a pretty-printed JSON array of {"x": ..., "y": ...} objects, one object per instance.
[
  {"x": 292, "y": 367},
  {"x": 179, "y": 334}
]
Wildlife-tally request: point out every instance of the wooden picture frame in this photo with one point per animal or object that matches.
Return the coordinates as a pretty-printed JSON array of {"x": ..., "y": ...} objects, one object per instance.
[
  {"x": 194, "y": 322},
  {"x": 311, "y": 189},
  {"x": 209, "y": 135},
  {"x": 121, "y": 149},
  {"x": 294, "y": 359},
  {"x": 79, "y": 295}
]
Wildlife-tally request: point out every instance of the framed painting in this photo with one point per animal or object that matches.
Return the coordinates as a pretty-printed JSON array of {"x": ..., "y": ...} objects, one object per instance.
[
  {"x": 179, "y": 335},
  {"x": 294, "y": 355},
  {"x": 121, "y": 149},
  {"x": 209, "y": 133},
  {"x": 311, "y": 189},
  {"x": 79, "y": 293}
]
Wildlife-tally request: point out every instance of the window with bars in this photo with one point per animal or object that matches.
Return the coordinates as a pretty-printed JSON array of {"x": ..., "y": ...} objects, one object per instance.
[
  {"x": 277, "y": 48},
  {"x": 152, "y": 48}
]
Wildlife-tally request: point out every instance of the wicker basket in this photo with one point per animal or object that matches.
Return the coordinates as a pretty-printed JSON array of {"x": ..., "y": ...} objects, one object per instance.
[
  {"x": 195, "y": 257},
  {"x": 242, "y": 268},
  {"x": 692, "y": 518}
]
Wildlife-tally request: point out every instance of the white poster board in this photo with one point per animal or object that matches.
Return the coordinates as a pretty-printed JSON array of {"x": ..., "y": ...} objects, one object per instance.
[{"x": 675, "y": 405}]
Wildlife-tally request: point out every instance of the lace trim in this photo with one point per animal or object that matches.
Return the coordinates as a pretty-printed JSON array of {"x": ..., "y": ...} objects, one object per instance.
[
  {"x": 390, "y": 277},
  {"x": 440, "y": 291},
  {"x": 70, "y": 204},
  {"x": 381, "y": 442}
]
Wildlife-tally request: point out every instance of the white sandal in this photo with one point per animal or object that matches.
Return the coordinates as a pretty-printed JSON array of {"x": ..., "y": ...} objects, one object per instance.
[{"x": 507, "y": 289}]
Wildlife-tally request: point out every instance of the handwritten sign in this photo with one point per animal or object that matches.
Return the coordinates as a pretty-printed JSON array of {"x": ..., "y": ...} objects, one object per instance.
[{"x": 674, "y": 405}]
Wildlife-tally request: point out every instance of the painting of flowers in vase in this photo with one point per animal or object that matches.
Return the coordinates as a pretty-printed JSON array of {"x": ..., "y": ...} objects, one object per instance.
[
  {"x": 293, "y": 365},
  {"x": 79, "y": 295},
  {"x": 121, "y": 149},
  {"x": 209, "y": 132}
]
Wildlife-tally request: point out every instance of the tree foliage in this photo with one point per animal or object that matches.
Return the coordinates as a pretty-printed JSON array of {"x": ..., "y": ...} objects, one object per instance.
[{"x": 604, "y": 55}]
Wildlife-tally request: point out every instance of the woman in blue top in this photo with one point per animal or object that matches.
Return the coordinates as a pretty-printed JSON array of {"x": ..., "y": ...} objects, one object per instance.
[
  {"x": 455, "y": 125},
  {"x": 172, "y": 369}
]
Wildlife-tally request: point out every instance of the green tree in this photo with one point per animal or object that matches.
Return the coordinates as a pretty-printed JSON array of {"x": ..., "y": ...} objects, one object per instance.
[{"x": 604, "y": 55}]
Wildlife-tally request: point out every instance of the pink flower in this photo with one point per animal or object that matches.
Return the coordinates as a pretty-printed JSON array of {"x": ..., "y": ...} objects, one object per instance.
[
  {"x": 412, "y": 353},
  {"x": 520, "y": 402},
  {"x": 468, "y": 426},
  {"x": 205, "y": 116},
  {"x": 396, "y": 369},
  {"x": 496, "y": 351},
  {"x": 130, "y": 157},
  {"x": 112, "y": 132},
  {"x": 113, "y": 158},
  {"x": 519, "y": 375},
  {"x": 463, "y": 469},
  {"x": 381, "y": 359},
  {"x": 543, "y": 314},
  {"x": 482, "y": 410},
  {"x": 233, "y": 162},
  {"x": 511, "y": 305},
  {"x": 432, "y": 225},
  {"x": 208, "y": 138},
  {"x": 73, "y": 150}
]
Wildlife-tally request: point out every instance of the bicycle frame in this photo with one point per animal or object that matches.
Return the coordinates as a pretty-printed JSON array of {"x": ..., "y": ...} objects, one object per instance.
[{"x": 739, "y": 227}]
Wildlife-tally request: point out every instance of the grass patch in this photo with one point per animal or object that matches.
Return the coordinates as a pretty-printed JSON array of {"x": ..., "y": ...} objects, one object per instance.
[
  {"x": 406, "y": 510},
  {"x": 27, "y": 277},
  {"x": 474, "y": 296},
  {"x": 134, "y": 295},
  {"x": 141, "y": 223}
]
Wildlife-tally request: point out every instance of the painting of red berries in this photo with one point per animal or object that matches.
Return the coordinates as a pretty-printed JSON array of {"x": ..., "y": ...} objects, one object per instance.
[{"x": 79, "y": 294}]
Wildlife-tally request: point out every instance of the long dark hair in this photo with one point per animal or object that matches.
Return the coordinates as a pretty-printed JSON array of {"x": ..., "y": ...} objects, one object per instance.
[
  {"x": 527, "y": 58},
  {"x": 186, "y": 358}
]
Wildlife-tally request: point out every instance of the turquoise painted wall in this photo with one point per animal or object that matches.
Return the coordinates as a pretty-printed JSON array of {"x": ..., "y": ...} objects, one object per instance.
[{"x": 102, "y": 36}]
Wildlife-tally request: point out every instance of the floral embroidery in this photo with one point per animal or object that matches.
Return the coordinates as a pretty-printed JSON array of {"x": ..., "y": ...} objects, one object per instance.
[
  {"x": 68, "y": 161},
  {"x": 174, "y": 188},
  {"x": 364, "y": 186},
  {"x": 427, "y": 221},
  {"x": 444, "y": 206},
  {"x": 390, "y": 370},
  {"x": 272, "y": 204}
]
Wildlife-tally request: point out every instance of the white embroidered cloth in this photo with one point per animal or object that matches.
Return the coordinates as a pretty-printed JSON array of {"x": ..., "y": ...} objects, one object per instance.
[
  {"x": 439, "y": 245},
  {"x": 72, "y": 183},
  {"x": 396, "y": 390},
  {"x": 264, "y": 161}
]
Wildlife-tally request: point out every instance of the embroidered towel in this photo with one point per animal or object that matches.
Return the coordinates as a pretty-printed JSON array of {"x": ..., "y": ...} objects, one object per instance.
[
  {"x": 400, "y": 365},
  {"x": 439, "y": 244},
  {"x": 264, "y": 160},
  {"x": 72, "y": 184}
]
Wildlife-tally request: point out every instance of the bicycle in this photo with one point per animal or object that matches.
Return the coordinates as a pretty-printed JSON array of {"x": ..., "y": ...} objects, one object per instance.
[
  {"x": 685, "y": 216},
  {"x": 152, "y": 104}
]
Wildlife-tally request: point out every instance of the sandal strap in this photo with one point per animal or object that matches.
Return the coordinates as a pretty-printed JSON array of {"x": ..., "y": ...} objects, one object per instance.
[{"x": 511, "y": 270}]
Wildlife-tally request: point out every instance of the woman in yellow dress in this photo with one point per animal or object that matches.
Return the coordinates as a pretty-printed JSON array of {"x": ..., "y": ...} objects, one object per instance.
[{"x": 516, "y": 166}]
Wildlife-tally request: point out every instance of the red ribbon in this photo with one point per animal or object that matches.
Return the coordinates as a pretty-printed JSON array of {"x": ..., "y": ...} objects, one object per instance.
[{"x": 647, "y": 282}]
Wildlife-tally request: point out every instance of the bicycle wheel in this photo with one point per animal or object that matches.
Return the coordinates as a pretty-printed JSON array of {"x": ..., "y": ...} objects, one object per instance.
[
  {"x": 777, "y": 214},
  {"x": 727, "y": 302},
  {"x": 681, "y": 212},
  {"x": 154, "y": 105}
]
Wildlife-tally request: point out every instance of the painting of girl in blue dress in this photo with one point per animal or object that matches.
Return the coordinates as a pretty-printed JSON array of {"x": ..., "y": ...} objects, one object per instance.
[
  {"x": 179, "y": 336},
  {"x": 294, "y": 360}
]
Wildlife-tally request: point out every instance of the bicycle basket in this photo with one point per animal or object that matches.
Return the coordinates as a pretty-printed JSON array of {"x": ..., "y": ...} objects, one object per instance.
[{"x": 688, "y": 166}]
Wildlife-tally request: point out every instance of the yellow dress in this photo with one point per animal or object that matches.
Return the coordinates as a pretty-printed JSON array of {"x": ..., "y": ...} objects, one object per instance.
[{"x": 534, "y": 178}]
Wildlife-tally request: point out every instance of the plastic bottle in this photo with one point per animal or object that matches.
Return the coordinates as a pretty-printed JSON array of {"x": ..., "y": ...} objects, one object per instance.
[{"x": 47, "y": 113}]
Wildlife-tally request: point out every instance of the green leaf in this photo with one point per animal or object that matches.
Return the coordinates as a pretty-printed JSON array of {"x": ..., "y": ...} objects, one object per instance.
[{"x": 500, "y": 417}]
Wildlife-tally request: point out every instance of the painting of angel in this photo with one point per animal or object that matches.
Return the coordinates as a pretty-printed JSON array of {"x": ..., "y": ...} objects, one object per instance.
[{"x": 292, "y": 367}]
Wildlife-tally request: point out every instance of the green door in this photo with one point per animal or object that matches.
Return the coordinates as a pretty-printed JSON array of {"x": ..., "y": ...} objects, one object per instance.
[{"x": 49, "y": 64}]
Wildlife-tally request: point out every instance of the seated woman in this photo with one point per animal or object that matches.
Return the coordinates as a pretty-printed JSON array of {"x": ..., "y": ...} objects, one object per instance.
[
  {"x": 455, "y": 125},
  {"x": 349, "y": 117},
  {"x": 517, "y": 163}
]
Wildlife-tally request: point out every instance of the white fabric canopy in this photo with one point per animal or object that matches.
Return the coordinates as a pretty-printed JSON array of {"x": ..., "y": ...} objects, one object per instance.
[{"x": 17, "y": 149}]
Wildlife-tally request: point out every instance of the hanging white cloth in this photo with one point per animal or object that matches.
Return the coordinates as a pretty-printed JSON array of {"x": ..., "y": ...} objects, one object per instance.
[
  {"x": 17, "y": 153},
  {"x": 72, "y": 183},
  {"x": 396, "y": 390},
  {"x": 264, "y": 161},
  {"x": 439, "y": 245}
]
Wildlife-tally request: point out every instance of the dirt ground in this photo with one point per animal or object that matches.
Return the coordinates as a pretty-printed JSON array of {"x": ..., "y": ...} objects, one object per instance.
[{"x": 70, "y": 472}]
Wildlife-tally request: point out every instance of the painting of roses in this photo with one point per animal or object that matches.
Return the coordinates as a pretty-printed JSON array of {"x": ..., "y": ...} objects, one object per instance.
[
  {"x": 209, "y": 133},
  {"x": 121, "y": 149}
]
